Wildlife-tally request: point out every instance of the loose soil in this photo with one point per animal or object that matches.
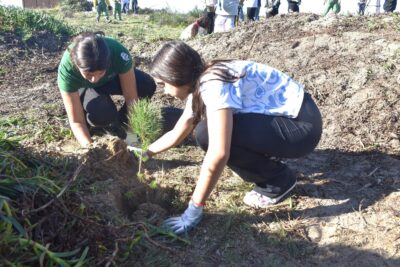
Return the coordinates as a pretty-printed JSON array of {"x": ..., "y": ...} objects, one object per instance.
[{"x": 344, "y": 211}]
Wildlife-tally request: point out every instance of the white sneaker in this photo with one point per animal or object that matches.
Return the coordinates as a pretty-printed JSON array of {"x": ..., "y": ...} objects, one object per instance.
[{"x": 257, "y": 200}]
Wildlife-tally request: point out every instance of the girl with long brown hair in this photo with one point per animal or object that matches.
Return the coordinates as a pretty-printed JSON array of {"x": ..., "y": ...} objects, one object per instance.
[{"x": 244, "y": 115}]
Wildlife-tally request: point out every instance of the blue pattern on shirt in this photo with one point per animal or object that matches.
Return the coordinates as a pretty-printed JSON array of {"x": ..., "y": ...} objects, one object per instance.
[{"x": 263, "y": 89}]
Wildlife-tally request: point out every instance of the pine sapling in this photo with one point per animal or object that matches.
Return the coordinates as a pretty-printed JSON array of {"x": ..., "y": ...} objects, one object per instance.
[{"x": 145, "y": 121}]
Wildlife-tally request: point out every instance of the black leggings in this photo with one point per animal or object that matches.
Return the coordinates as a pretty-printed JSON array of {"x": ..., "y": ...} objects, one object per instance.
[
  {"x": 100, "y": 109},
  {"x": 251, "y": 13},
  {"x": 389, "y": 5},
  {"x": 293, "y": 7},
  {"x": 256, "y": 138}
]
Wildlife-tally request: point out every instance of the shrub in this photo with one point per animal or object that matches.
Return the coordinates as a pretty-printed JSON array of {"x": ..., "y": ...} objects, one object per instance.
[{"x": 25, "y": 22}]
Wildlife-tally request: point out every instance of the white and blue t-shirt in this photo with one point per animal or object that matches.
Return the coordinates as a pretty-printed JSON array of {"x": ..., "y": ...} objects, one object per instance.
[{"x": 262, "y": 90}]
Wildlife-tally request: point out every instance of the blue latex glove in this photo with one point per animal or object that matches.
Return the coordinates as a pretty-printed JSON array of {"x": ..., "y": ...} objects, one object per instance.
[
  {"x": 184, "y": 223},
  {"x": 139, "y": 153}
]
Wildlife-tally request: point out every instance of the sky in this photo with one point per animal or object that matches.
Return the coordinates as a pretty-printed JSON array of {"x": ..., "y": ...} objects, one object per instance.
[{"x": 313, "y": 6}]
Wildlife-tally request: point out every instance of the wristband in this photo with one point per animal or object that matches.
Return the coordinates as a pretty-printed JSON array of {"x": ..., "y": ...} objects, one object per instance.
[{"x": 202, "y": 204}]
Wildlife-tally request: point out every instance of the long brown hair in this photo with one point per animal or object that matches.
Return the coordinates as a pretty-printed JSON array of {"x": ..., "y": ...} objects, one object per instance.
[
  {"x": 178, "y": 64},
  {"x": 90, "y": 52}
]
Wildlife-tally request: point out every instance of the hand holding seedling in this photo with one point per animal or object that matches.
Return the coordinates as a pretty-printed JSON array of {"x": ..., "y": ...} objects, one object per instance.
[{"x": 139, "y": 153}]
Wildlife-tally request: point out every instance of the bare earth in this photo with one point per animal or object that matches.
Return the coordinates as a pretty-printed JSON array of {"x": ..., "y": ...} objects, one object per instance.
[{"x": 345, "y": 209}]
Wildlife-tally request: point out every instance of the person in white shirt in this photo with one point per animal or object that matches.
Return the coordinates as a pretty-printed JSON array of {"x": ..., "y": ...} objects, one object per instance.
[
  {"x": 226, "y": 12},
  {"x": 245, "y": 115}
]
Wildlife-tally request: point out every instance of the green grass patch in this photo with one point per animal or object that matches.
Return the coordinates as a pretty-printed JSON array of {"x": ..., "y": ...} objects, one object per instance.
[
  {"x": 25, "y": 22},
  {"x": 26, "y": 127},
  {"x": 22, "y": 175},
  {"x": 149, "y": 26}
]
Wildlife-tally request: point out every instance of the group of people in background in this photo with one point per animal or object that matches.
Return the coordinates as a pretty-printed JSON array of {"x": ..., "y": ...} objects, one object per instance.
[
  {"x": 117, "y": 7},
  {"x": 223, "y": 15},
  {"x": 335, "y": 6}
]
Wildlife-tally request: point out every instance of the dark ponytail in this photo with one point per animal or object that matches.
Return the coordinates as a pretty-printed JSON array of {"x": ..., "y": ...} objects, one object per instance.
[{"x": 90, "y": 52}]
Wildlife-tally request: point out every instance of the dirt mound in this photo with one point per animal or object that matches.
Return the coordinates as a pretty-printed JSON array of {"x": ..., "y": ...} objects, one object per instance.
[
  {"x": 111, "y": 174},
  {"x": 349, "y": 64}
]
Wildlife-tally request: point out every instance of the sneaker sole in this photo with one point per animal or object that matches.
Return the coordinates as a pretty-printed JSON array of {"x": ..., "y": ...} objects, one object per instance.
[{"x": 274, "y": 201}]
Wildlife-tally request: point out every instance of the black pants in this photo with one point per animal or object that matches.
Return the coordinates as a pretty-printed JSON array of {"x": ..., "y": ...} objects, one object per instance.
[
  {"x": 135, "y": 6},
  {"x": 251, "y": 13},
  {"x": 125, "y": 8},
  {"x": 272, "y": 13},
  {"x": 389, "y": 5},
  {"x": 257, "y": 138},
  {"x": 293, "y": 7},
  {"x": 211, "y": 19},
  {"x": 361, "y": 8},
  {"x": 100, "y": 109}
]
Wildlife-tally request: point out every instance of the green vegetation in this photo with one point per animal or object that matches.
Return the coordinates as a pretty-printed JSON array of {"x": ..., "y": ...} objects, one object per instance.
[
  {"x": 22, "y": 175},
  {"x": 25, "y": 22},
  {"x": 167, "y": 17},
  {"x": 155, "y": 26},
  {"x": 76, "y": 5},
  {"x": 145, "y": 121}
]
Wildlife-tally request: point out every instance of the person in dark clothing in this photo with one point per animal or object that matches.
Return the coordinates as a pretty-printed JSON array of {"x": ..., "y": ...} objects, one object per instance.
[
  {"x": 135, "y": 6},
  {"x": 294, "y": 6},
  {"x": 361, "y": 7},
  {"x": 272, "y": 8},
  {"x": 390, "y": 5},
  {"x": 210, "y": 13}
]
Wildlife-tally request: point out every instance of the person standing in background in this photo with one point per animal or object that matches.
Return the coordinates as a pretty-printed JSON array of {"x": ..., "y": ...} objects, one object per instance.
[
  {"x": 210, "y": 10},
  {"x": 101, "y": 7},
  {"x": 226, "y": 13},
  {"x": 389, "y": 5},
  {"x": 240, "y": 16},
  {"x": 294, "y": 6},
  {"x": 258, "y": 10},
  {"x": 251, "y": 8},
  {"x": 125, "y": 6},
  {"x": 117, "y": 9},
  {"x": 361, "y": 7},
  {"x": 272, "y": 8},
  {"x": 135, "y": 6}
]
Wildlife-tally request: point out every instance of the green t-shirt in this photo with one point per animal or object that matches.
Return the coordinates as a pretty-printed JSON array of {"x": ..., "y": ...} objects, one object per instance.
[{"x": 70, "y": 79}]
